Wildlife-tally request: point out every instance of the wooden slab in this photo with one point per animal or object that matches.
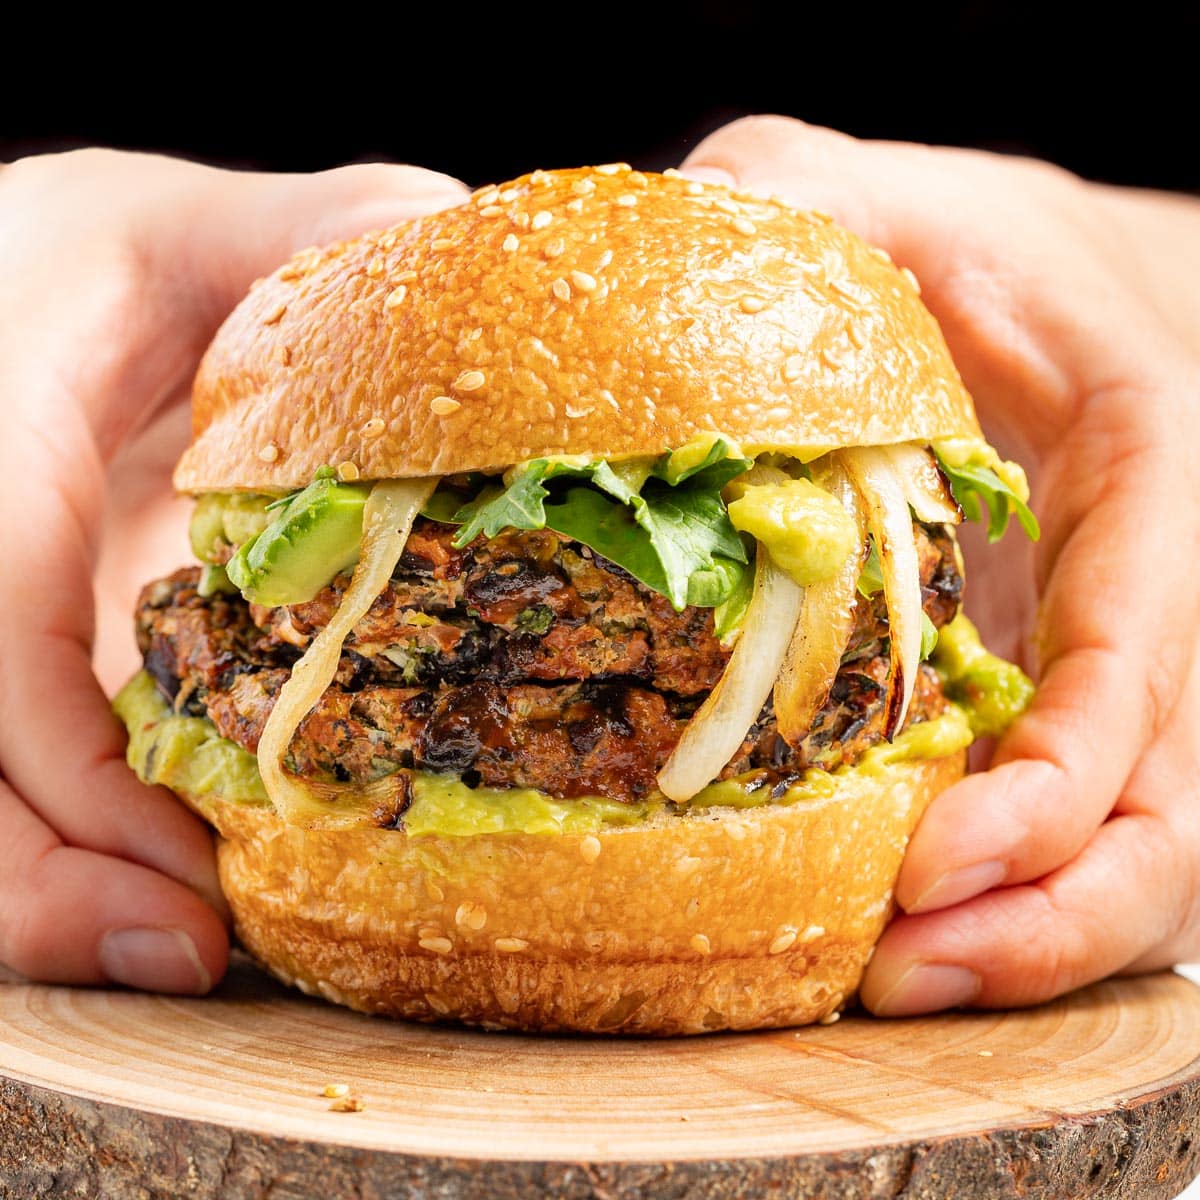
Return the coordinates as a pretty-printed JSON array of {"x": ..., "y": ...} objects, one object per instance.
[{"x": 117, "y": 1094}]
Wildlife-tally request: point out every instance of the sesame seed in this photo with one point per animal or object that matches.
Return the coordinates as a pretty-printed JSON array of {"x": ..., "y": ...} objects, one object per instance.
[
  {"x": 583, "y": 187},
  {"x": 819, "y": 215},
  {"x": 387, "y": 242},
  {"x": 813, "y": 932},
  {"x": 509, "y": 195},
  {"x": 672, "y": 173},
  {"x": 396, "y": 296},
  {"x": 845, "y": 290},
  {"x": 471, "y": 915},
  {"x": 347, "y": 1104},
  {"x": 573, "y": 411},
  {"x": 269, "y": 453},
  {"x": 375, "y": 267},
  {"x": 853, "y": 333},
  {"x": 782, "y": 941},
  {"x": 510, "y": 945},
  {"x": 373, "y": 428},
  {"x": 753, "y": 304},
  {"x": 470, "y": 381},
  {"x": 521, "y": 219},
  {"x": 491, "y": 210},
  {"x": 437, "y": 1003},
  {"x": 539, "y": 178},
  {"x": 589, "y": 848},
  {"x": 510, "y": 243},
  {"x": 793, "y": 369},
  {"x": 406, "y": 277},
  {"x": 553, "y": 249},
  {"x": 541, "y": 220},
  {"x": 275, "y": 314},
  {"x": 637, "y": 179},
  {"x": 575, "y": 206},
  {"x": 830, "y": 1018},
  {"x": 692, "y": 907},
  {"x": 726, "y": 205},
  {"x": 612, "y": 169},
  {"x": 583, "y": 282},
  {"x": 443, "y": 406},
  {"x": 561, "y": 289},
  {"x": 348, "y": 472},
  {"x": 605, "y": 259},
  {"x": 439, "y": 245},
  {"x": 436, "y": 945},
  {"x": 907, "y": 273},
  {"x": 487, "y": 198},
  {"x": 735, "y": 830},
  {"x": 986, "y": 1054},
  {"x": 627, "y": 200},
  {"x": 475, "y": 334},
  {"x": 335, "y": 1091},
  {"x": 695, "y": 188},
  {"x": 880, "y": 254},
  {"x": 742, "y": 225},
  {"x": 435, "y": 892},
  {"x": 700, "y": 943},
  {"x": 284, "y": 354}
]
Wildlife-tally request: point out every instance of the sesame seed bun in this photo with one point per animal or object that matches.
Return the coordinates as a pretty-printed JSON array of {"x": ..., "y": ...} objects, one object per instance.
[
  {"x": 595, "y": 311},
  {"x": 721, "y": 919}
]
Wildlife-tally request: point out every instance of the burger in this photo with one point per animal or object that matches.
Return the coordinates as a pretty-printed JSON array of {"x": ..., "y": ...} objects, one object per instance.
[{"x": 575, "y": 637}]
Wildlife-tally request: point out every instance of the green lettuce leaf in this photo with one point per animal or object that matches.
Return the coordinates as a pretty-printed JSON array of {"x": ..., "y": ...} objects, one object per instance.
[
  {"x": 675, "y": 538},
  {"x": 973, "y": 484}
]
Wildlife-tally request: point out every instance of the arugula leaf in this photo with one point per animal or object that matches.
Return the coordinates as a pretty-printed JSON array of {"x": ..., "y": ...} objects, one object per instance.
[
  {"x": 675, "y": 538},
  {"x": 929, "y": 636},
  {"x": 972, "y": 484},
  {"x": 665, "y": 544},
  {"x": 870, "y": 578},
  {"x": 729, "y": 613}
]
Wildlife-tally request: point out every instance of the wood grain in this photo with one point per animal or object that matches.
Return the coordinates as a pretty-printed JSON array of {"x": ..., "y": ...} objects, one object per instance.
[{"x": 118, "y": 1094}]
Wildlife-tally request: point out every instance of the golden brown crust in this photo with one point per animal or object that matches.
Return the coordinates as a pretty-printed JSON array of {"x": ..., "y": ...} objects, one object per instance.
[
  {"x": 588, "y": 311},
  {"x": 723, "y": 920}
]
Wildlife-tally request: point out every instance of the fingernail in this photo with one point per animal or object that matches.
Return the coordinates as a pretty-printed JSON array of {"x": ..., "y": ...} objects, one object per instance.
[
  {"x": 928, "y": 987},
  {"x": 956, "y": 886},
  {"x": 709, "y": 175},
  {"x": 155, "y": 960}
]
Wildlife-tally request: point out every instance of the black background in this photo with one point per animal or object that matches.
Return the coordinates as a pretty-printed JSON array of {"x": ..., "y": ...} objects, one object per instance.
[{"x": 486, "y": 92}]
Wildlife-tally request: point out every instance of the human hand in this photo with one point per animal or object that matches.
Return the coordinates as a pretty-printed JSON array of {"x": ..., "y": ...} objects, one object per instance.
[
  {"x": 117, "y": 270},
  {"x": 1072, "y": 312}
]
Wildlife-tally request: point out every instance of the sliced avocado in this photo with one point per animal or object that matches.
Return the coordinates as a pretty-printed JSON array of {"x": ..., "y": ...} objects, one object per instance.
[
  {"x": 313, "y": 535},
  {"x": 213, "y": 579},
  {"x": 223, "y": 519}
]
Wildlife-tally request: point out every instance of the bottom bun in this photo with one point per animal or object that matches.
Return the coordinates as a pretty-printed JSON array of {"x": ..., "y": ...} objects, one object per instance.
[{"x": 720, "y": 919}]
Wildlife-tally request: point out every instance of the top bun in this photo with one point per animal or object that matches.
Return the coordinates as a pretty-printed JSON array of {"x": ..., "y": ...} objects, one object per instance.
[{"x": 597, "y": 311}]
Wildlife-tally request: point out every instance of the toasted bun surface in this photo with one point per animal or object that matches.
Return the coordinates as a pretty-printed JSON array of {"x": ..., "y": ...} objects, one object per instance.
[
  {"x": 721, "y": 920},
  {"x": 595, "y": 311}
]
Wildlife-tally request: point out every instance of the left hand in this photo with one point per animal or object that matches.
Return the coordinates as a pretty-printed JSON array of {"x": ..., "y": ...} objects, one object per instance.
[{"x": 1072, "y": 312}]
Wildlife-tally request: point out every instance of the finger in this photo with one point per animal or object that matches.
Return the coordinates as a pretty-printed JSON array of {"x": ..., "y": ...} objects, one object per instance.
[
  {"x": 1103, "y": 698},
  {"x": 73, "y": 916},
  {"x": 1004, "y": 248},
  {"x": 171, "y": 247},
  {"x": 61, "y": 748},
  {"x": 1129, "y": 901},
  {"x": 1027, "y": 944}
]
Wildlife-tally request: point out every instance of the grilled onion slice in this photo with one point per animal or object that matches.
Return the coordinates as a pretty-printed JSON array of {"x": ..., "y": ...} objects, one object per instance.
[
  {"x": 823, "y": 628},
  {"x": 884, "y": 495},
  {"x": 926, "y": 489},
  {"x": 720, "y": 725},
  {"x": 388, "y": 517}
]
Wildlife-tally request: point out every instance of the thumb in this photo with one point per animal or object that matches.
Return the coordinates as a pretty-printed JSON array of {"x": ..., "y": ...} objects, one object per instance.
[{"x": 169, "y": 247}]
